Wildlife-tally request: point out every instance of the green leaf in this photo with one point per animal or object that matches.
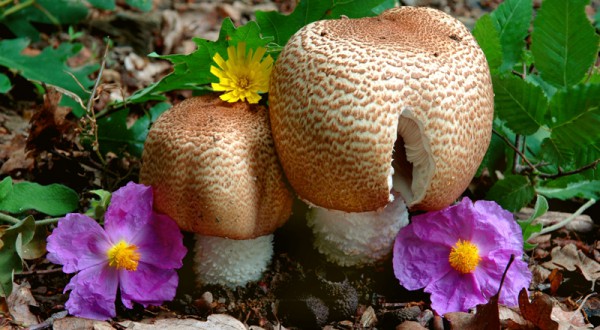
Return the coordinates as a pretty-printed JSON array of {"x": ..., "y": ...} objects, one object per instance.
[
  {"x": 47, "y": 12},
  {"x": 5, "y": 187},
  {"x": 192, "y": 71},
  {"x": 12, "y": 240},
  {"x": 489, "y": 40},
  {"x": 512, "y": 19},
  {"x": 553, "y": 153},
  {"x": 563, "y": 42},
  {"x": 571, "y": 102},
  {"x": 570, "y": 187},
  {"x": 527, "y": 226},
  {"x": 143, "y": 5},
  {"x": 282, "y": 27},
  {"x": 114, "y": 135},
  {"x": 494, "y": 155},
  {"x": 49, "y": 67},
  {"x": 579, "y": 131},
  {"x": 520, "y": 104},
  {"x": 53, "y": 199},
  {"x": 512, "y": 193},
  {"x": 5, "y": 84},
  {"x": 103, "y": 4},
  {"x": 98, "y": 206}
]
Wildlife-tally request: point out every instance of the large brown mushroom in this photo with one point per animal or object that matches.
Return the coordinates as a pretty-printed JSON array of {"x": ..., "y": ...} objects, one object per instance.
[
  {"x": 364, "y": 109},
  {"x": 213, "y": 168}
]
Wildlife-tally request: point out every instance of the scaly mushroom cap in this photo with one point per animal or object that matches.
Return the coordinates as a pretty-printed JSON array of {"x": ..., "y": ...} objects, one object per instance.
[
  {"x": 214, "y": 170},
  {"x": 347, "y": 96}
]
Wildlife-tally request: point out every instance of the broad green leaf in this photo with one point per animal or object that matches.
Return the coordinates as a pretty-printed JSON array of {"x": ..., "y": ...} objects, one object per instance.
[
  {"x": 563, "y": 42},
  {"x": 114, "y": 135},
  {"x": 36, "y": 246},
  {"x": 570, "y": 187},
  {"x": 103, "y": 4},
  {"x": 5, "y": 84},
  {"x": 520, "y": 104},
  {"x": 5, "y": 187},
  {"x": 579, "y": 131},
  {"x": 47, "y": 12},
  {"x": 489, "y": 40},
  {"x": 192, "y": 71},
  {"x": 571, "y": 102},
  {"x": 557, "y": 155},
  {"x": 53, "y": 199},
  {"x": 512, "y": 193},
  {"x": 512, "y": 19},
  {"x": 143, "y": 5},
  {"x": 282, "y": 27},
  {"x": 12, "y": 240},
  {"x": 49, "y": 67},
  {"x": 527, "y": 226}
]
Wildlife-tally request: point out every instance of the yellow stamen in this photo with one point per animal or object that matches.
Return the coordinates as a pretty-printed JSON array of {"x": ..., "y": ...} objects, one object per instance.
[
  {"x": 464, "y": 257},
  {"x": 123, "y": 255}
]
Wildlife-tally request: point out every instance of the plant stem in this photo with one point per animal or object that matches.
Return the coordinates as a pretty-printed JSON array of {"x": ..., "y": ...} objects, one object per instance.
[
  {"x": 566, "y": 220},
  {"x": 12, "y": 220},
  {"x": 579, "y": 170},
  {"x": 516, "y": 149},
  {"x": 16, "y": 8},
  {"x": 90, "y": 106}
]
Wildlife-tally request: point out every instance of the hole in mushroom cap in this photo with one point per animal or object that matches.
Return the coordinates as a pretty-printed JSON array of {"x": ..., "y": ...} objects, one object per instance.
[{"x": 413, "y": 166}]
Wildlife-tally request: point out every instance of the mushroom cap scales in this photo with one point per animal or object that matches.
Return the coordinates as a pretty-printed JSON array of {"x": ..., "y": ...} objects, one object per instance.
[
  {"x": 213, "y": 169},
  {"x": 347, "y": 95}
]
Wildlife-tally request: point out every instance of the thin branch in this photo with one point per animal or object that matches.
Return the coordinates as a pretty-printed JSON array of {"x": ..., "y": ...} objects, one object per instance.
[
  {"x": 90, "y": 105},
  {"x": 579, "y": 170},
  {"x": 12, "y": 220},
  {"x": 516, "y": 149}
]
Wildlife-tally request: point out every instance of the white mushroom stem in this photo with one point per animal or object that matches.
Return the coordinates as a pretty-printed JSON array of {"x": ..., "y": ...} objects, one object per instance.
[
  {"x": 230, "y": 262},
  {"x": 357, "y": 239}
]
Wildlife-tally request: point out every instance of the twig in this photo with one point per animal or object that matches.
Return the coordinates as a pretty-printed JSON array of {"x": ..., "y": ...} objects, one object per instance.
[
  {"x": 40, "y": 272},
  {"x": 579, "y": 170},
  {"x": 566, "y": 220},
  {"x": 89, "y": 108},
  {"x": 16, "y": 8},
  {"x": 516, "y": 149}
]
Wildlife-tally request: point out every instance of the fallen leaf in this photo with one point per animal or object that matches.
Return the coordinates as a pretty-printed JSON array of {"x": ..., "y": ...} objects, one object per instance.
[
  {"x": 555, "y": 279},
  {"x": 410, "y": 325},
  {"x": 569, "y": 258},
  {"x": 569, "y": 320},
  {"x": 76, "y": 323},
  {"x": 538, "y": 311},
  {"x": 214, "y": 321},
  {"x": 18, "y": 304},
  {"x": 513, "y": 320}
]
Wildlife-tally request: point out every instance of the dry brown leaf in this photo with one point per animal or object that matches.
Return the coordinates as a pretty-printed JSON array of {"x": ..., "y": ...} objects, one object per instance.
[
  {"x": 48, "y": 124},
  {"x": 538, "y": 311},
  {"x": 511, "y": 319},
  {"x": 569, "y": 258},
  {"x": 555, "y": 279},
  {"x": 18, "y": 305},
  {"x": 410, "y": 325},
  {"x": 569, "y": 320},
  {"x": 76, "y": 323},
  {"x": 214, "y": 321}
]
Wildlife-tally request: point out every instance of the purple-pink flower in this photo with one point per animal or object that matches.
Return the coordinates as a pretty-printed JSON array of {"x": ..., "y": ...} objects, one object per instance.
[
  {"x": 137, "y": 251},
  {"x": 459, "y": 254}
]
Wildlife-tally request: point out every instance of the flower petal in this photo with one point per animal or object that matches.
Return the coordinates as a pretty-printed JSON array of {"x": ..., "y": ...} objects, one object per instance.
[
  {"x": 417, "y": 264},
  {"x": 130, "y": 209},
  {"x": 160, "y": 243},
  {"x": 85, "y": 234},
  {"x": 148, "y": 285},
  {"x": 93, "y": 293},
  {"x": 446, "y": 226},
  {"x": 489, "y": 275},
  {"x": 496, "y": 228},
  {"x": 455, "y": 292}
]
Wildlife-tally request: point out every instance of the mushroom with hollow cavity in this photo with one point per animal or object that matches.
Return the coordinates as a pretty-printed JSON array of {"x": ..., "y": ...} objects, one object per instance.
[
  {"x": 214, "y": 170},
  {"x": 365, "y": 109}
]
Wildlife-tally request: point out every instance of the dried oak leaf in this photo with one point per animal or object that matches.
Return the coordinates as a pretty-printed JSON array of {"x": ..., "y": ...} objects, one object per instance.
[
  {"x": 569, "y": 320},
  {"x": 538, "y": 311},
  {"x": 555, "y": 279},
  {"x": 49, "y": 124},
  {"x": 486, "y": 317},
  {"x": 570, "y": 258}
]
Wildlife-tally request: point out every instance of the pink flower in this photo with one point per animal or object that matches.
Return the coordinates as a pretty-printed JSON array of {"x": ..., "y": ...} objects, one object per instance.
[
  {"x": 459, "y": 255},
  {"x": 138, "y": 252}
]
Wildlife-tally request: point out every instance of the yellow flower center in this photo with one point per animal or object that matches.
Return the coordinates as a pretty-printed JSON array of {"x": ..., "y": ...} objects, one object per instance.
[
  {"x": 244, "y": 82},
  {"x": 123, "y": 255},
  {"x": 464, "y": 257}
]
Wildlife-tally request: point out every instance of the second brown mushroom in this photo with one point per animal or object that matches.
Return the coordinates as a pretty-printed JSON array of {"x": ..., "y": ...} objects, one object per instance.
[
  {"x": 213, "y": 168},
  {"x": 366, "y": 111}
]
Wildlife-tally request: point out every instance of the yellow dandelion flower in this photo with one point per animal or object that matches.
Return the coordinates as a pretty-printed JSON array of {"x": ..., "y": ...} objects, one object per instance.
[{"x": 243, "y": 75}]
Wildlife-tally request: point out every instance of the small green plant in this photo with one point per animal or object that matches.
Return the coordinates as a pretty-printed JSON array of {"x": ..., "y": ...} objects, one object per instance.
[{"x": 547, "y": 102}]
